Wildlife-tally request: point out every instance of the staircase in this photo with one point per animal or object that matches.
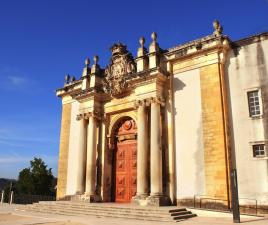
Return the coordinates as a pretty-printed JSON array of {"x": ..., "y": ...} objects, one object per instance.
[{"x": 112, "y": 210}]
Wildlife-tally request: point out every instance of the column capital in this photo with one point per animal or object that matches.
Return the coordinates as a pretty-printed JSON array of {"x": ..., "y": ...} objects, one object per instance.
[
  {"x": 140, "y": 102},
  {"x": 148, "y": 101},
  {"x": 158, "y": 100},
  {"x": 95, "y": 114},
  {"x": 80, "y": 116}
]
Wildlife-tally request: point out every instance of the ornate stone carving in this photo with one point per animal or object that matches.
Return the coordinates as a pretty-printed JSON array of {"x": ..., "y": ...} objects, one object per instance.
[{"x": 122, "y": 64}]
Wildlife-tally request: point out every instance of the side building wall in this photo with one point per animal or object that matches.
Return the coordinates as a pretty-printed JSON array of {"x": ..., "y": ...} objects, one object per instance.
[
  {"x": 247, "y": 71},
  {"x": 189, "y": 143},
  {"x": 201, "y": 158}
]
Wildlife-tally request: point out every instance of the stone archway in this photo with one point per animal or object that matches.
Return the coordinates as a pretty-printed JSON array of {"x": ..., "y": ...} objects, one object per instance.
[{"x": 124, "y": 174}]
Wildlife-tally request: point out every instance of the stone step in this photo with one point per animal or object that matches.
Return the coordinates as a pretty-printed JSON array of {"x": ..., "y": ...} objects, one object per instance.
[
  {"x": 125, "y": 216},
  {"x": 100, "y": 212},
  {"x": 111, "y": 215},
  {"x": 115, "y": 211},
  {"x": 165, "y": 214},
  {"x": 103, "y": 205},
  {"x": 125, "y": 209}
]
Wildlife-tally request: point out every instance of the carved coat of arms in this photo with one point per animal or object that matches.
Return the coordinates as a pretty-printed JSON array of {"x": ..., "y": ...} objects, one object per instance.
[{"x": 121, "y": 64}]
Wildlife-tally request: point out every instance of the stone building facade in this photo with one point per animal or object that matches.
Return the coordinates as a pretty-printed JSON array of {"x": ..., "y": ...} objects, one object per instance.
[{"x": 167, "y": 126}]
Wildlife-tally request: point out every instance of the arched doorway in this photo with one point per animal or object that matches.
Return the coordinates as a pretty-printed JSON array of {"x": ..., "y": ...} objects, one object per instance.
[{"x": 125, "y": 161}]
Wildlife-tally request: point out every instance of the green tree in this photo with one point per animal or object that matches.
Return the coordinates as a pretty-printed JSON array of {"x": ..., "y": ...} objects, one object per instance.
[
  {"x": 36, "y": 179},
  {"x": 25, "y": 183}
]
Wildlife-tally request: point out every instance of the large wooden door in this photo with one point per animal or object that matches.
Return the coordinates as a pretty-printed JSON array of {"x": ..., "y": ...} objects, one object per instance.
[{"x": 126, "y": 162}]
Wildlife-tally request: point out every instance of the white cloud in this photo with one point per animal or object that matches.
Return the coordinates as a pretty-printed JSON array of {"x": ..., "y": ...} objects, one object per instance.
[
  {"x": 13, "y": 159},
  {"x": 17, "y": 81},
  {"x": 12, "y": 164},
  {"x": 25, "y": 139},
  {"x": 16, "y": 158},
  {"x": 14, "y": 79}
]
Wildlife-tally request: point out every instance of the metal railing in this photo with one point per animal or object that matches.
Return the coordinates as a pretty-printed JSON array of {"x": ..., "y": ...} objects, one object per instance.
[
  {"x": 24, "y": 198},
  {"x": 246, "y": 205},
  {"x": 205, "y": 202},
  {"x": 29, "y": 199}
]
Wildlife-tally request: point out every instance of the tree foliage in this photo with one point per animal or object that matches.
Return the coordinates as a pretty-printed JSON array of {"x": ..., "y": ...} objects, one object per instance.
[{"x": 36, "y": 180}]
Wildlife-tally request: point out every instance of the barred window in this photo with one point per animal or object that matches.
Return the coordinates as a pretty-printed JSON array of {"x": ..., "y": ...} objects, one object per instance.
[
  {"x": 259, "y": 150},
  {"x": 254, "y": 103}
]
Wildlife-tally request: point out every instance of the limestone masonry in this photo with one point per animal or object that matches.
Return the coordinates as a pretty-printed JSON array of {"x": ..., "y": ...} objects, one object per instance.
[{"x": 168, "y": 126}]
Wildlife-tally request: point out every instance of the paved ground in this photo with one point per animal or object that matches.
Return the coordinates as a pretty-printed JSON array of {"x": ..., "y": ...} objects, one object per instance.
[{"x": 10, "y": 216}]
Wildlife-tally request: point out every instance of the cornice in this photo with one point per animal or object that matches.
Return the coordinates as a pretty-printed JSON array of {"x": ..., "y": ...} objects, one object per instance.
[
  {"x": 196, "y": 48},
  {"x": 83, "y": 95},
  {"x": 250, "y": 40},
  {"x": 69, "y": 88}
]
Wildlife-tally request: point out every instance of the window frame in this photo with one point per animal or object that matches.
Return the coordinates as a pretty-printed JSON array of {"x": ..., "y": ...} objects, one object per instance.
[
  {"x": 264, "y": 150},
  {"x": 259, "y": 101}
]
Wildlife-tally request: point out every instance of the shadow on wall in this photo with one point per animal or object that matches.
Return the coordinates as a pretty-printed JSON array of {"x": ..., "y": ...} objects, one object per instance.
[
  {"x": 262, "y": 71},
  {"x": 178, "y": 85},
  {"x": 199, "y": 161}
]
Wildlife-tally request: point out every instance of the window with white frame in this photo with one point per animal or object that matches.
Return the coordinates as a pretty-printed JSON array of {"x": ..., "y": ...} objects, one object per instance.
[
  {"x": 254, "y": 103},
  {"x": 259, "y": 150}
]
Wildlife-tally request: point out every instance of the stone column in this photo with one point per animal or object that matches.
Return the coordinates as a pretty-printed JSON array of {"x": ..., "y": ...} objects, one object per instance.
[
  {"x": 156, "y": 150},
  {"x": 156, "y": 198},
  {"x": 91, "y": 156},
  {"x": 81, "y": 152},
  {"x": 143, "y": 151}
]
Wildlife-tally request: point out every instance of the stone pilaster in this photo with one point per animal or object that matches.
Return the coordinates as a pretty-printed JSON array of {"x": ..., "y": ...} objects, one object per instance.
[
  {"x": 85, "y": 75},
  {"x": 154, "y": 52},
  {"x": 95, "y": 79},
  {"x": 81, "y": 152},
  {"x": 142, "y": 58},
  {"x": 64, "y": 150}
]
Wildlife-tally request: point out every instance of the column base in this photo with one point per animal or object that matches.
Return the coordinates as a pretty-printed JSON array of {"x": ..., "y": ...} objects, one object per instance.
[
  {"x": 86, "y": 198},
  {"x": 140, "y": 199},
  {"x": 158, "y": 200}
]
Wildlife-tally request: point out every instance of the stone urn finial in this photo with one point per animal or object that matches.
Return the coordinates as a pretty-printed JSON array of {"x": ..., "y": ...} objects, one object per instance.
[
  {"x": 142, "y": 41},
  {"x": 96, "y": 59},
  {"x": 87, "y": 62},
  {"x": 154, "y": 36},
  {"x": 67, "y": 79},
  {"x": 217, "y": 28}
]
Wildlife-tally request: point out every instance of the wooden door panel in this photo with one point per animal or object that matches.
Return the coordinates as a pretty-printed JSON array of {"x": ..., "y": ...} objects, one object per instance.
[{"x": 126, "y": 164}]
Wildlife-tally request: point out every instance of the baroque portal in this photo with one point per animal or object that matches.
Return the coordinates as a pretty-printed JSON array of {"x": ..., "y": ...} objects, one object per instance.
[{"x": 119, "y": 121}]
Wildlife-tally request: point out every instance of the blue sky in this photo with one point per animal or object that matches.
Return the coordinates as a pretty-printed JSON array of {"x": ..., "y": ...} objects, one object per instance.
[{"x": 42, "y": 40}]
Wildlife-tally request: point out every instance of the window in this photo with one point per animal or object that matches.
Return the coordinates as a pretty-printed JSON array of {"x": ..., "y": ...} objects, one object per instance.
[
  {"x": 254, "y": 103},
  {"x": 259, "y": 150}
]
